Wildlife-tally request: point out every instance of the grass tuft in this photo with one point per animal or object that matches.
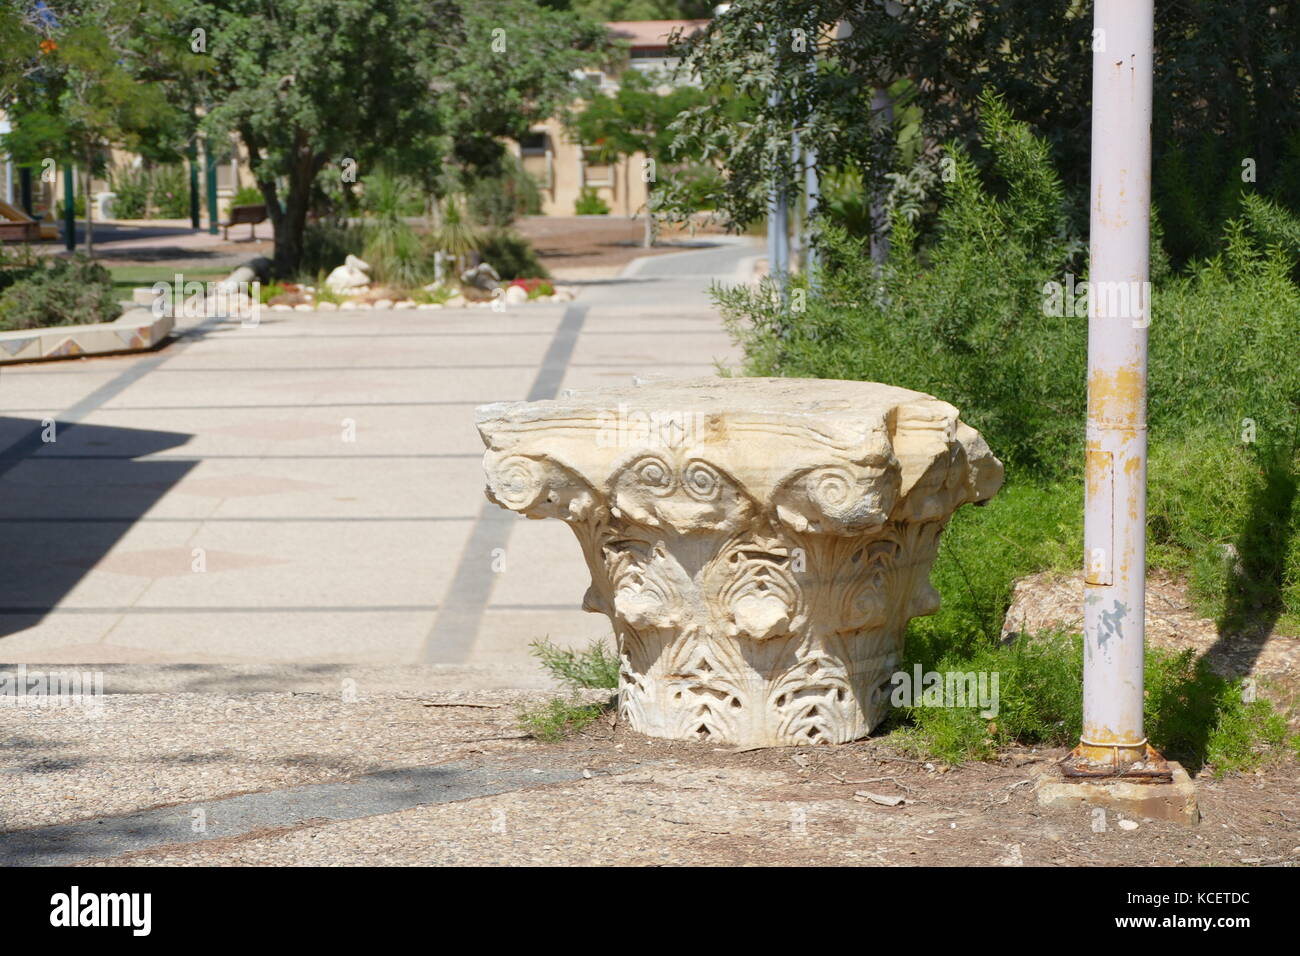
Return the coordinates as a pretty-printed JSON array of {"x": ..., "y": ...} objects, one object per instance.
[
  {"x": 558, "y": 717},
  {"x": 595, "y": 666}
]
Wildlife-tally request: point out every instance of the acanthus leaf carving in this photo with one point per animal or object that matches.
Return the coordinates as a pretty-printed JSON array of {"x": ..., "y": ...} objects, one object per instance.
[{"x": 759, "y": 573}]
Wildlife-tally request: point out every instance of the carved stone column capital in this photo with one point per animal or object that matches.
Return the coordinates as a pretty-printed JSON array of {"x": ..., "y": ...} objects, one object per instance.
[{"x": 759, "y": 544}]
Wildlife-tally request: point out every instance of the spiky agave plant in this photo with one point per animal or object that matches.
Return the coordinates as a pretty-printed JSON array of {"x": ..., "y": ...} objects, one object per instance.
[
  {"x": 455, "y": 236},
  {"x": 396, "y": 255}
]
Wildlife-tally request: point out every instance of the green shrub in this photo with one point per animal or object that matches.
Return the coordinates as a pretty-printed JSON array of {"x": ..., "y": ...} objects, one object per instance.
[
  {"x": 1193, "y": 715},
  {"x": 131, "y": 186},
  {"x": 397, "y": 256},
  {"x": 455, "y": 236},
  {"x": 589, "y": 203},
  {"x": 247, "y": 196},
  {"x": 73, "y": 291},
  {"x": 595, "y": 666},
  {"x": 141, "y": 192},
  {"x": 496, "y": 201},
  {"x": 390, "y": 195},
  {"x": 16, "y": 263},
  {"x": 699, "y": 186},
  {"x": 326, "y": 244},
  {"x": 964, "y": 320},
  {"x": 78, "y": 207},
  {"x": 269, "y": 290},
  {"x": 1038, "y": 700},
  {"x": 511, "y": 255},
  {"x": 171, "y": 191}
]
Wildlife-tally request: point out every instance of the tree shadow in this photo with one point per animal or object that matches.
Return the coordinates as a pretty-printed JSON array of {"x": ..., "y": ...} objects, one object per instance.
[
  {"x": 1257, "y": 563},
  {"x": 1189, "y": 700},
  {"x": 64, "y": 504}
]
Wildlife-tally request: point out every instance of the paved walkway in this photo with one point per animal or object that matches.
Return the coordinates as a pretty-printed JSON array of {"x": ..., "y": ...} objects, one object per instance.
[
  {"x": 308, "y": 493},
  {"x": 253, "y": 513}
]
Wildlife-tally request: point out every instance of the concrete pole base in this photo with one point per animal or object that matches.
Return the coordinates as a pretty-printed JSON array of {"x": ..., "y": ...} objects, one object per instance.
[{"x": 1174, "y": 802}]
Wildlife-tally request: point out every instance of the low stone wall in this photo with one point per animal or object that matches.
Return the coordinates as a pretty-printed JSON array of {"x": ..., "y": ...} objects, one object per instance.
[{"x": 136, "y": 330}]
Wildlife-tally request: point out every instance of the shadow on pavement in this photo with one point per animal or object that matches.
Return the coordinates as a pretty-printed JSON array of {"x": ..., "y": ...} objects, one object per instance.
[{"x": 65, "y": 504}]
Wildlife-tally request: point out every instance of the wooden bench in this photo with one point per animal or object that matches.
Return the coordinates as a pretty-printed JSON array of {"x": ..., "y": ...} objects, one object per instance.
[
  {"x": 20, "y": 231},
  {"x": 252, "y": 214}
]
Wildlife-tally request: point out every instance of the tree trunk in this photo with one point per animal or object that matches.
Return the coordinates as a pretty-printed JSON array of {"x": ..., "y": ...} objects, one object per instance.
[
  {"x": 288, "y": 221},
  {"x": 289, "y": 227},
  {"x": 649, "y": 239}
]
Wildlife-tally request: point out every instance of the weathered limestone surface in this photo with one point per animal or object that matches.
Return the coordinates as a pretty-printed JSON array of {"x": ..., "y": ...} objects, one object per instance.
[{"x": 758, "y": 544}]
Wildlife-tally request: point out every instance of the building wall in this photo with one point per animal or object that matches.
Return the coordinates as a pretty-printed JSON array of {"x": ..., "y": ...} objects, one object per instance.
[
  {"x": 562, "y": 170},
  {"x": 232, "y": 172}
]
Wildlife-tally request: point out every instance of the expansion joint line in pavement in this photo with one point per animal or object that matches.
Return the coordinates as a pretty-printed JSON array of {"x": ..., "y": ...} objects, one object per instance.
[{"x": 461, "y": 611}]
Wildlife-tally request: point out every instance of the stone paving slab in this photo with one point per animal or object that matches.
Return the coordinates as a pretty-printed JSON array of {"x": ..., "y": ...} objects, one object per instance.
[{"x": 327, "y": 468}]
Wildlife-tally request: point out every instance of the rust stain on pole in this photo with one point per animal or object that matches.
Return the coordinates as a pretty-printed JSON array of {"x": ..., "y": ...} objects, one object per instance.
[{"x": 1113, "y": 740}]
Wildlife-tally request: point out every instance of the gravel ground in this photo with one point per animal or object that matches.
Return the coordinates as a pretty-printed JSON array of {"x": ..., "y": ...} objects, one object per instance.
[
  {"x": 646, "y": 802},
  {"x": 150, "y": 750}
]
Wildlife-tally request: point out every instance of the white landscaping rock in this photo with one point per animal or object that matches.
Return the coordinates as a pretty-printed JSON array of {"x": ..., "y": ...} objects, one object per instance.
[
  {"x": 352, "y": 276},
  {"x": 516, "y": 295}
]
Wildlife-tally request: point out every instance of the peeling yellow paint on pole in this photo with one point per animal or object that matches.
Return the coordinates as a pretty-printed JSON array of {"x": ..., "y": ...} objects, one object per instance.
[{"x": 1119, "y": 310}]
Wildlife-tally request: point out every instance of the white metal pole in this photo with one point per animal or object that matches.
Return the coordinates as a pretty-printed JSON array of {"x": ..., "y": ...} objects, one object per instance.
[
  {"x": 882, "y": 108},
  {"x": 797, "y": 223},
  {"x": 778, "y": 245},
  {"x": 1118, "y": 306},
  {"x": 812, "y": 194}
]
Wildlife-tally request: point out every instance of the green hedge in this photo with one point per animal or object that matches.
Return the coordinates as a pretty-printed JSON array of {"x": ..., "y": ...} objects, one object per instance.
[{"x": 73, "y": 291}]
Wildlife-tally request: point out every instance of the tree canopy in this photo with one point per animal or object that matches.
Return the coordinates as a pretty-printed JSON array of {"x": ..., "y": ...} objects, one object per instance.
[
  {"x": 81, "y": 82},
  {"x": 420, "y": 85},
  {"x": 427, "y": 87},
  {"x": 1220, "y": 69}
]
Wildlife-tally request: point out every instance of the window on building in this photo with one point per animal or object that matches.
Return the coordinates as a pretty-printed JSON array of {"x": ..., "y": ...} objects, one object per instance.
[{"x": 538, "y": 158}]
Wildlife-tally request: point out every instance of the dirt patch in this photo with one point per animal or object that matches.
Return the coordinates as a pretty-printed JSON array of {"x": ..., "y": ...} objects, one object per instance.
[
  {"x": 599, "y": 246},
  {"x": 1051, "y": 600},
  {"x": 982, "y": 814},
  {"x": 570, "y": 247}
]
